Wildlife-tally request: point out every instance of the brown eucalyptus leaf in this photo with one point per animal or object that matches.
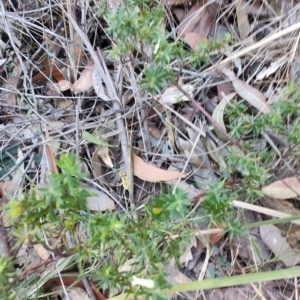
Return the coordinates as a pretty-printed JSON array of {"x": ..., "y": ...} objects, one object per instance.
[
  {"x": 247, "y": 92},
  {"x": 286, "y": 188},
  {"x": 148, "y": 172},
  {"x": 199, "y": 19}
]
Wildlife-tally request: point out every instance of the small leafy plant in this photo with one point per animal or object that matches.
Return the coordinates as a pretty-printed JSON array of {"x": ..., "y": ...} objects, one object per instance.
[
  {"x": 112, "y": 240},
  {"x": 137, "y": 28}
]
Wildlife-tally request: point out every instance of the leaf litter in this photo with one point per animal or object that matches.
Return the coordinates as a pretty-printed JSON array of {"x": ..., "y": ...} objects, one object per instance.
[{"x": 170, "y": 142}]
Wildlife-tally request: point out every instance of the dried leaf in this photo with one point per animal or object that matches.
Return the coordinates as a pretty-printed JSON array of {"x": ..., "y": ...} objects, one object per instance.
[
  {"x": 129, "y": 265},
  {"x": 76, "y": 293},
  {"x": 271, "y": 236},
  {"x": 98, "y": 85},
  {"x": 237, "y": 61},
  {"x": 8, "y": 186},
  {"x": 250, "y": 94},
  {"x": 77, "y": 50},
  {"x": 193, "y": 39},
  {"x": 151, "y": 173},
  {"x": 155, "y": 132},
  {"x": 243, "y": 22},
  {"x": 190, "y": 190},
  {"x": 214, "y": 152},
  {"x": 176, "y": 277},
  {"x": 283, "y": 189},
  {"x": 114, "y": 4},
  {"x": 9, "y": 96},
  {"x": 64, "y": 85},
  {"x": 266, "y": 72},
  {"x": 187, "y": 255},
  {"x": 201, "y": 21},
  {"x": 172, "y": 95},
  {"x": 193, "y": 157},
  {"x": 170, "y": 131},
  {"x": 50, "y": 153},
  {"x": 84, "y": 82},
  {"x": 179, "y": 13},
  {"x": 50, "y": 70},
  {"x": 218, "y": 115},
  {"x": 103, "y": 153},
  {"x": 101, "y": 202},
  {"x": 2, "y": 61},
  {"x": 42, "y": 252}
]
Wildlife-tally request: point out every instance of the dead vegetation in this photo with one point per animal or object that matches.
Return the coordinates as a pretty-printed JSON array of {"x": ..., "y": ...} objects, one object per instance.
[{"x": 153, "y": 99}]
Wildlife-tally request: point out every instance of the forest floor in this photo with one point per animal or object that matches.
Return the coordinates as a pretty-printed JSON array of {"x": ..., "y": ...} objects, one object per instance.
[{"x": 149, "y": 149}]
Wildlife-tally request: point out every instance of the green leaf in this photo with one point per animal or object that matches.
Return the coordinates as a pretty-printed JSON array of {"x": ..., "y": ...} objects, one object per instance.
[{"x": 90, "y": 138}]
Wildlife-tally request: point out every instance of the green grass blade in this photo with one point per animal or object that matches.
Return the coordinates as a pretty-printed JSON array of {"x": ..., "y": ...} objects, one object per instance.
[
  {"x": 226, "y": 281},
  {"x": 90, "y": 138}
]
